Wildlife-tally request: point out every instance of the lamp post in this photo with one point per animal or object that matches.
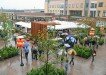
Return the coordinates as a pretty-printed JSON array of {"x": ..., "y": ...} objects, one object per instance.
[{"x": 20, "y": 44}]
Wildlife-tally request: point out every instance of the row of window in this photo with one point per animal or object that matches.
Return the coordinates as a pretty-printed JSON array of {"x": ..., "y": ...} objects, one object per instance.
[
  {"x": 56, "y": 11},
  {"x": 94, "y": 13},
  {"x": 76, "y": 5},
  {"x": 94, "y": 5}
]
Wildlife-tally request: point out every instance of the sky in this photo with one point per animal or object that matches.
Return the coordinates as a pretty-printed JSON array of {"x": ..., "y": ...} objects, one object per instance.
[{"x": 22, "y": 4}]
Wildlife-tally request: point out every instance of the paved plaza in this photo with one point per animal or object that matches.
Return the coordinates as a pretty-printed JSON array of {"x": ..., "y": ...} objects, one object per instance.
[{"x": 82, "y": 66}]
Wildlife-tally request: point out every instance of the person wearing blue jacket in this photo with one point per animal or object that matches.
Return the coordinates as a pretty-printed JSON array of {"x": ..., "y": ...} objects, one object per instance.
[{"x": 26, "y": 49}]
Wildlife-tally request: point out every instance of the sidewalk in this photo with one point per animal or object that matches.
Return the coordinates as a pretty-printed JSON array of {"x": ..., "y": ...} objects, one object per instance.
[{"x": 82, "y": 66}]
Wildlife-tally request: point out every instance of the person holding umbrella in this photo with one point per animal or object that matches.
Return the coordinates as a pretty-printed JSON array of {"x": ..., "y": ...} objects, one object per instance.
[{"x": 72, "y": 52}]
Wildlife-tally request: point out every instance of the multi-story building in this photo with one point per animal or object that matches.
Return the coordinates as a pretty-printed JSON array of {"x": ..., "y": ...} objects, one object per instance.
[
  {"x": 27, "y": 15},
  {"x": 97, "y": 8},
  {"x": 54, "y": 6},
  {"x": 88, "y": 8},
  {"x": 67, "y": 7}
]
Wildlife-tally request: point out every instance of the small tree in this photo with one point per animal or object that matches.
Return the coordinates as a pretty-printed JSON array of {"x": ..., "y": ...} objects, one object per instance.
[
  {"x": 45, "y": 43},
  {"x": 7, "y": 27}
]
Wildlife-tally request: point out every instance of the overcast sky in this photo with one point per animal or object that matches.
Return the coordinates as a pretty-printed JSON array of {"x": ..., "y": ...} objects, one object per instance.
[{"x": 22, "y": 4}]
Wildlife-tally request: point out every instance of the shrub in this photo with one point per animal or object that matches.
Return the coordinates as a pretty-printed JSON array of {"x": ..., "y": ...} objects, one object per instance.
[
  {"x": 83, "y": 51},
  {"x": 101, "y": 41},
  {"x": 8, "y": 52},
  {"x": 52, "y": 70}
]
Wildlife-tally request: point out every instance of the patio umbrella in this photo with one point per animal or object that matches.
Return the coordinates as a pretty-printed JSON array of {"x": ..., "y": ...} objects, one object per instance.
[
  {"x": 72, "y": 51},
  {"x": 20, "y": 37}
]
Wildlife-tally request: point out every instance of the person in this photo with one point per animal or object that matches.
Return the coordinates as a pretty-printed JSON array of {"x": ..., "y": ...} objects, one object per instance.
[
  {"x": 26, "y": 49},
  {"x": 35, "y": 51},
  {"x": 32, "y": 50},
  {"x": 72, "y": 58},
  {"x": 97, "y": 43},
  {"x": 66, "y": 66},
  {"x": 14, "y": 37},
  {"x": 93, "y": 55}
]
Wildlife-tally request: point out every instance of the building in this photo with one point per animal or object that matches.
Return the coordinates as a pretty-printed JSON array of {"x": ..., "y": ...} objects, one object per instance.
[
  {"x": 97, "y": 8},
  {"x": 80, "y": 8},
  {"x": 66, "y": 7},
  {"x": 28, "y": 15}
]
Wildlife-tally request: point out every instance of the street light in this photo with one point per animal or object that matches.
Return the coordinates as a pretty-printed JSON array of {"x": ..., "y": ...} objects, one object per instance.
[{"x": 20, "y": 44}]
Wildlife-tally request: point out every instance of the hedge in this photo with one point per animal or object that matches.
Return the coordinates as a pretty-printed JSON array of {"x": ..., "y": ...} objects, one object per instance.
[{"x": 8, "y": 52}]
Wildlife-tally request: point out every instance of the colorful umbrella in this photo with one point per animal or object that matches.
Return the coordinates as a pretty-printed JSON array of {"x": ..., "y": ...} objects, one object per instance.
[{"x": 72, "y": 52}]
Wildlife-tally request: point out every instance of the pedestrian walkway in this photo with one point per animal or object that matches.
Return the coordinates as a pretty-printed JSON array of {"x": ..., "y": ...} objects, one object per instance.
[{"x": 81, "y": 67}]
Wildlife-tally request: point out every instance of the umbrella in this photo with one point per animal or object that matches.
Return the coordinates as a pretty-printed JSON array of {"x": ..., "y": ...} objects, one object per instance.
[
  {"x": 70, "y": 38},
  {"x": 20, "y": 36},
  {"x": 72, "y": 51}
]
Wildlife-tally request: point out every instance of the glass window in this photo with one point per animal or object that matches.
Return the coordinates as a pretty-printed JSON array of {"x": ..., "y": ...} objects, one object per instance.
[
  {"x": 93, "y": 5},
  {"x": 104, "y": 13},
  {"x": 87, "y": 5},
  {"x": 100, "y": 4},
  {"x": 98, "y": 13},
  {"x": 81, "y": 5}
]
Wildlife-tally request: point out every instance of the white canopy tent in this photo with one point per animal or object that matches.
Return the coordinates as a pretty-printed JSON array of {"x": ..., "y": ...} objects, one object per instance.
[
  {"x": 63, "y": 25},
  {"x": 24, "y": 24},
  {"x": 83, "y": 26}
]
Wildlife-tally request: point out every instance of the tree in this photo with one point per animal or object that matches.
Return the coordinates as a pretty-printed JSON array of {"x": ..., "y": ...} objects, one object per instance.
[
  {"x": 46, "y": 44},
  {"x": 7, "y": 27},
  {"x": 88, "y": 21}
]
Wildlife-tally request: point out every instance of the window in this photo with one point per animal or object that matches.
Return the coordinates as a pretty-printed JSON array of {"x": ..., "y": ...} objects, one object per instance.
[
  {"x": 92, "y": 13},
  {"x": 72, "y": 5},
  {"x": 77, "y": 5},
  {"x": 81, "y": 5},
  {"x": 98, "y": 13},
  {"x": 62, "y": 6},
  {"x": 104, "y": 13},
  {"x": 87, "y": 5},
  {"x": 100, "y": 4},
  {"x": 93, "y": 5}
]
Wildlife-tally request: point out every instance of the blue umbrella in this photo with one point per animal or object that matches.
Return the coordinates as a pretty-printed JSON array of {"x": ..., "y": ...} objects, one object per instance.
[{"x": 70, "y": 38}]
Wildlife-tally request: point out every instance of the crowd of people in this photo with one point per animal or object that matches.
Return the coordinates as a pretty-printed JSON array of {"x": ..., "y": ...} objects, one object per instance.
[{"x": 68, "y": 42}]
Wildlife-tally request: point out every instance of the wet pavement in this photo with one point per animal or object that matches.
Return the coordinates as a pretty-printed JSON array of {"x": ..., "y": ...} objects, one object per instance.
[{"x": 82, "y": 66}]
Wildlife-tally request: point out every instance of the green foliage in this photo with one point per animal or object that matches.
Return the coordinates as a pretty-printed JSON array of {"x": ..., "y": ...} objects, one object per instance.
[
  {"x": 52, "y": 70},
  {"x": 101, "y": 41},
  {"x": 3, "y": 17},
  {"x": 82, "y": 51},
  {"x": 8, "y": 52}
]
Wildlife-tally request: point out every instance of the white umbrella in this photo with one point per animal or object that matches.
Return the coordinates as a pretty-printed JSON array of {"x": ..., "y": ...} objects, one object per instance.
[{"x": 20, "y": 36}]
